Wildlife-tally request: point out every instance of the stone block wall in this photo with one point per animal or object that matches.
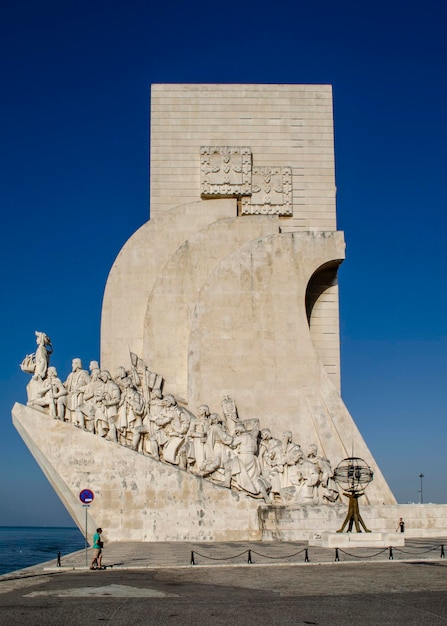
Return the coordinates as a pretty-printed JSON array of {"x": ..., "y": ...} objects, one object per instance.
[{"x": 284, "y": 125}]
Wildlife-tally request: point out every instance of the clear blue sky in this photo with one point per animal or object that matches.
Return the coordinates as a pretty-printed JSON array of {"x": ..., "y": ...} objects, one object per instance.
[{"x": 75, "y": 83}]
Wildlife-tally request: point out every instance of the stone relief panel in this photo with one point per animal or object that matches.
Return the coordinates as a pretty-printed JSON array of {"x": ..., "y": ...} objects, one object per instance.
[
  {"x": 225, "y": 171},
  {"x": 131, "y": 409},
  {"x": 228, "y": 172},
  {"x": 271, "y": 192}
]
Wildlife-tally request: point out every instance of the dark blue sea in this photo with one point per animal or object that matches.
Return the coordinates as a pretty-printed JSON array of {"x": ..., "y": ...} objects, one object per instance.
[{"x": 23, "y": 546}]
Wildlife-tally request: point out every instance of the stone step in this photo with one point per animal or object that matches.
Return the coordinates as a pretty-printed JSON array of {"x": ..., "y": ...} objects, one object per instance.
[{"x": 357, "y": 540}]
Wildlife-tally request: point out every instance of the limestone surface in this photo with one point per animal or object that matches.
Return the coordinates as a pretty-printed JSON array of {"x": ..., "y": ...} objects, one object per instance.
[{"x": 214, "y": 412}]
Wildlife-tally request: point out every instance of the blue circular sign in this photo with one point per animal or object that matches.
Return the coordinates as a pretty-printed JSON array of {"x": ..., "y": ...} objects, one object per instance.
[{"x": 86, "y": 496}]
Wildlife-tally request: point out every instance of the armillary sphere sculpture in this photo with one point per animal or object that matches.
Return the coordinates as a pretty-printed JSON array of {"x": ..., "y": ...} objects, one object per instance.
[{"x": 353, "y": 475}]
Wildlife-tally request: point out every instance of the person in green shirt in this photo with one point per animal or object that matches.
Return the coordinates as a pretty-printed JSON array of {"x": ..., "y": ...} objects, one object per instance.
[{"x": 97, "y": 550}]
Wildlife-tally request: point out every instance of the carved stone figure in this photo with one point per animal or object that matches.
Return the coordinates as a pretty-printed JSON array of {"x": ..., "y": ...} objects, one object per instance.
[
  {"x": 173, "y": 425},
  {"x": 217, "y": 453},
  {"x": 120, "y": 375},
  {"x": 159, "y": 438},
  {"x": 270, "y": 461},
  {"x": 328, "y": 486},
  {"x": 37, "y": 364},
  {"x": 245, "y": 468},
  {"x": 141, "y": 434},
  {"x": 42, "y": 357},
  {"x": 130, "y": 412},
  {"x": 75, "y": 383},
  {"x": 197, "y": 434},
  {"x": 303, "y": 480},
  {"x": 156, "y": 405},
  {"x": 51, "y": 395},
  {"x": 287, "y": 456},
  {"x": 110, "y": 403},
  {"x": 88, "y": 412}
]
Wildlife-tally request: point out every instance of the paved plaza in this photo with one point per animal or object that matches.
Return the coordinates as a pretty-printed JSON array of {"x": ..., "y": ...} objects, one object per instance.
[
  {"x": 131, "y": 555},
  {"x": 156, "y": 584}
]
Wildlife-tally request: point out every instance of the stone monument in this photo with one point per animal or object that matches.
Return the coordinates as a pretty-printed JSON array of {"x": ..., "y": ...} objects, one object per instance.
[{"x": 214, "y": 412}]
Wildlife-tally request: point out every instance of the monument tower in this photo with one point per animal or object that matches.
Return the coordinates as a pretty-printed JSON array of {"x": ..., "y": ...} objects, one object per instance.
[{"x": 228, "y": 297}]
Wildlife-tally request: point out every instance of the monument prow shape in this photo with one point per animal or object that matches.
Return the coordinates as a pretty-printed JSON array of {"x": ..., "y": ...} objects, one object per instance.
[{"x": 229, "y": 293}]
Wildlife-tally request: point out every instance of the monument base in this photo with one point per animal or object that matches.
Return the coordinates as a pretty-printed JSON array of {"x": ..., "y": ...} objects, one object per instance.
[
  {"x": 288, "y": 523},
  {"x": 129, "y": 505},
  {"x": 358, "y": 540}
]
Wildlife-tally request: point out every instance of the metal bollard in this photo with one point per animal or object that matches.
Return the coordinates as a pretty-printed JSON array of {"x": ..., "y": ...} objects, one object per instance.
[
  {"x": 192, "y": 558},
  {"x": 59, "y": 559},
  {"x": 337, "y": 558},
  {"x": 249, "y": 561},
  {"x": 391, "y": 557},
  {"x": 306, "y": 556}
]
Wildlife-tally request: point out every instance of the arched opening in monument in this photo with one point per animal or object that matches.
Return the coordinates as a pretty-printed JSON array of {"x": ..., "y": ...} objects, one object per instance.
[
  {"x": 323, "y": 279},
  {"x": 322, "y": 317}
]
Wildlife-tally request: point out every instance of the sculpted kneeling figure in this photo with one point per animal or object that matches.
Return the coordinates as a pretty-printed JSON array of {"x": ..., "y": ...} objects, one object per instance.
[{"x": 52, "y": 394}]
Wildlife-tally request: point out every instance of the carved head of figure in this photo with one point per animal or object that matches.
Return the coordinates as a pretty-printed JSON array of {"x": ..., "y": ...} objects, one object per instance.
[
  {"x": 170, "y": 400},
  {"x": 95, "y": 372},
  {"x": 312, "y": 450},
  {"x": 239, "y": 429},
  {"x": 105, "y": 375},
  {"x": 266, "y": 434},
  {"x": 204, "y": 411},
  {"x": 76, "y": 364},
  {"x": 214, "y": 418},
  {"x": 94, "y": 365},
  {"x": 286, "y": 436},
  {"x": 120, "y": 372},
  {"x": 42, "y": 339},
  {"x": 295, "y": 455},
  {"x": 52, "y": 372}
]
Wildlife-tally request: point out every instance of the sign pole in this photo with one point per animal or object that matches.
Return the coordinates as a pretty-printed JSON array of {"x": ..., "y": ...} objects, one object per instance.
[
  {"x": 86, "y": 497},
  {"x": 86, "y": 535}
]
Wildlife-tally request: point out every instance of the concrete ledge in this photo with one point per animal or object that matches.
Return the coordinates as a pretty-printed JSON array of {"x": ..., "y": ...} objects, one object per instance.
[
  {"x": 358, "y": 540},
  {"x": 281, "y": 523}
]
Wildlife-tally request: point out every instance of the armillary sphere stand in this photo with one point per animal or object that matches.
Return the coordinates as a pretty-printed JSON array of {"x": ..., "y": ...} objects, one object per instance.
[
  {"x": 353, "y": 475},
  {"x": 353, "y": 516}
]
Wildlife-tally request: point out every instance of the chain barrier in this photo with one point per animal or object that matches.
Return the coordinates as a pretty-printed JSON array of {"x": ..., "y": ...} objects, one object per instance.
[
  {"x": 250, "y": 552},
  {"x": 423, "y": 551},
  {"x": 288, "y": 556},
  {"x": 358, "y": 556},
  {"x": 219, "y": 558},
  {"x": 391, "y": 550}
]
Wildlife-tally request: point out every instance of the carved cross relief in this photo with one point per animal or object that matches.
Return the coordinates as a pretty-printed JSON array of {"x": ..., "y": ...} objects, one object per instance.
[
  {"x": 271, "y": 192},
  {"x": 227, "y": 172}
]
